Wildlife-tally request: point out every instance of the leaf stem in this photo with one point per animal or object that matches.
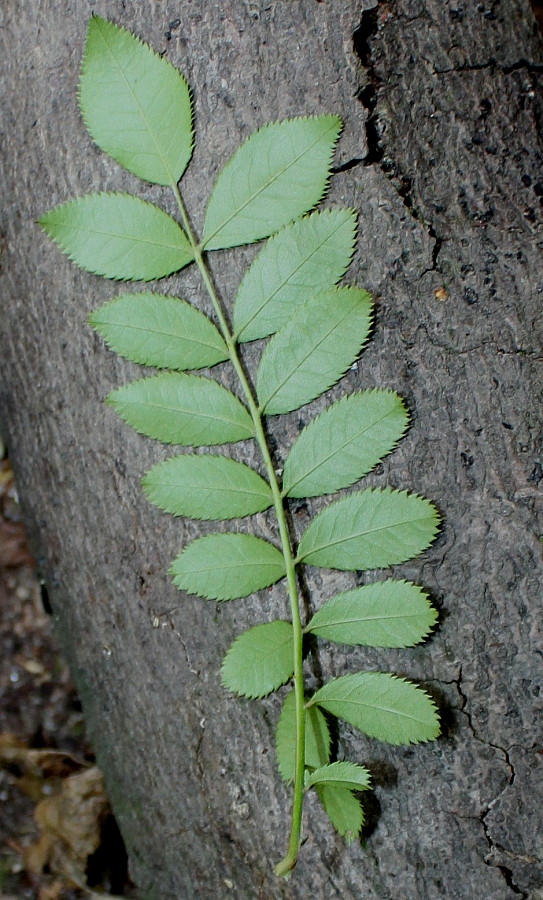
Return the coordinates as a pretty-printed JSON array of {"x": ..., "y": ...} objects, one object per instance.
[{"x": 289, "y": 861}]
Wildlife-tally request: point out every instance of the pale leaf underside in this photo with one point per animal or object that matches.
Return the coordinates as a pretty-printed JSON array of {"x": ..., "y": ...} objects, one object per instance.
[
  {"x": 182, "y": 409},
  {"x": 342, "y": 808},
  {"x": 307, "y": 256},
  {"x": 369, "y": 529},
  {"x": 135, "y": 104},
  {"x": 347, "y": 774},
  {"x": 206, "y": 487},
  {"x": 311, "y": 352},
  {"x": 382, "y": 706},
  {"x": 227, "y": 566},
  {"x": 344, "y": 443},
  {"x": 118, "y": 236},
  {"x": 158, "y": 330},
  {"x": 137, "y": 108},
  {"x": 279, "y": 173},
  {"x": 383, "y": 614},
  {"x": 259, "y": 660}
]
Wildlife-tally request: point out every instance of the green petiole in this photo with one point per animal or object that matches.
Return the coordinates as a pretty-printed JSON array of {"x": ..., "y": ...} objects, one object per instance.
[{"x": 289, "y": 861}]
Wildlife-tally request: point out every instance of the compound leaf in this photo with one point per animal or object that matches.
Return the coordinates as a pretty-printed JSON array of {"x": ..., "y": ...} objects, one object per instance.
[
  {"x": 259, "y": 660},
  {"x": 280, "y": 172},
  {"x": 348, "y": 774},
  {"x": 382, "y": 706},
  {"x": 206, "y": 487},
  {"x": 342, "y": 808},
  {"x": 317, "y": 738},
  {"x": 314, "y": 349},
  {"x": 182, "y": 409},
  {"x": 137, "y": 107},
  {"x": 135, "y": 104},
  {"x": 227, "y": 566},
  {"x": 344, "y": 443},
  {"x": 119, "y": 236},
  {"x": 308, "y": 255},
  {"x": 383, "y": 614},
  {"x": 369, "y": 529},
  {"x": 157, "y": 330}
]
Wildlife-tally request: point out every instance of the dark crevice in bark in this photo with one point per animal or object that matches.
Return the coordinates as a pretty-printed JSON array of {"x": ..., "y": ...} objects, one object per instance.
[
  {"x": 463, "y": 708},
  {"x": 438, "y": 243},
  {"x": 520, "y": 64},
  {"x": 523, "y": 64},
  {"x": 373, "y": 139},
  {"x": 344, "y": 167},
  {"x": 369, "y": 95},
  {"x": 363, "y": 34},
  {"x": 477, "y": 347},
  {"x": 506, "y": 872}
]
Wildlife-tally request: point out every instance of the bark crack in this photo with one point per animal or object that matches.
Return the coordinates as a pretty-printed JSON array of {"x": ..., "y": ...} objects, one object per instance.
[
  {"x": 461, "y": 351},
  {"x": 521, "y": 64},
  {"x": 344, "y": 167},
  {"x": 369, "y": 95},
  {"x": 505, "y": 871},
  {"x": 464, "y": 700}
]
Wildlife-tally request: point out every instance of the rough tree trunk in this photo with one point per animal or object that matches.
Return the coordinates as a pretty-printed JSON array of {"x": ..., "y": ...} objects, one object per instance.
[{"x": 440, "y": 156}]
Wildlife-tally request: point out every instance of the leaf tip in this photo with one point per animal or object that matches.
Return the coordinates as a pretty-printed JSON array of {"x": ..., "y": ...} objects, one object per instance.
[
  {"x": 44, "y": 222},
  {"x": 112, "y": 399},
  {"x": 93, "y": 320}
]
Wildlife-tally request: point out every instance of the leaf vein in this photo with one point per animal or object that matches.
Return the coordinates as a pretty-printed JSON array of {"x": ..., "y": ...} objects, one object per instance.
[{"x": 265, "y": 185}]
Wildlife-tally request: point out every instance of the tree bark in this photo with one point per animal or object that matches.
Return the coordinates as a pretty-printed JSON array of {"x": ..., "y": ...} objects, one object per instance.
[{"x": 441, "y": 156}]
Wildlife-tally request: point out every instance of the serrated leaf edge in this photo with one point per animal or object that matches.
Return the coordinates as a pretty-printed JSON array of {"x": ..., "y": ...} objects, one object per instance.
[
  {"x": 147, "y": 488},
  {"x": 336, "y": 404},
  {"x": 207, "y": 238},
  {"x": 223, "y": 597},
  {"x": 311, "y": 779},
  {"x": 386, "y": 490},
  {"x": 122, "y": 278},
  {"x": 94, "y": 323},
  {"x": 145, "y": 46},
  {"x": 238, "y": 332},
  {"x": 252, "y": 695},
  {"x": 110, "y": 400},
  {"x": 263, "y": 404},
  {"x": 397, "y": 678},
  {"x": 423, "y": 638}
]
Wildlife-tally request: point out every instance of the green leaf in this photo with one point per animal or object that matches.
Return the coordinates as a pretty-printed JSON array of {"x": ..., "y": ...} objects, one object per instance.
[
  {"x": 348, "y": 774},
  {"x": 382, "y": 706},
  {"x": 227, "y": 566},
  {"x": 308, "y": 255},
  {"x": 161, "y": 331},
  {"x": 206, "y": 487},
  {"x": 119, "y": 236},
  {"x": 343, "y": 809},
  {"x": 279, "y": 173},
  {"x": 182, "y": 409},
  {"x": 314, "y": 349},
  {"x": 317, "y": 738},
  {"x": 344, "y": 443},
  {"x": 384, "y": 614},
  {"x": 259, "y": 660},
  {"x": 369, "y": 529},
  {"x": 135, "y": 104}
]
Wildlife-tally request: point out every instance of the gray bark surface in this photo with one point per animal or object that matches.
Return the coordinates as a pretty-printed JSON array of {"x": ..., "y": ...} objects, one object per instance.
[{"x": 442, "y": 107}]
